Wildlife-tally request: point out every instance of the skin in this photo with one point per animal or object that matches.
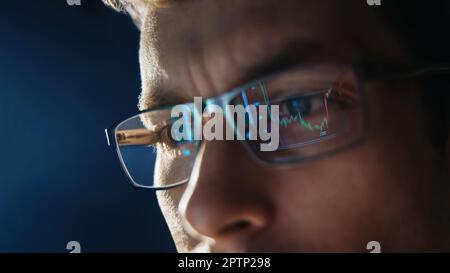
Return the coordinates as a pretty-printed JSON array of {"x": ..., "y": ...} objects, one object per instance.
[{"x": 390, "y": 189}]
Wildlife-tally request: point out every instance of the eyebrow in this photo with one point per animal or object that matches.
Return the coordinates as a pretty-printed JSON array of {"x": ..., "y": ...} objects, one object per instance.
[{"x": 293, "y": 53}]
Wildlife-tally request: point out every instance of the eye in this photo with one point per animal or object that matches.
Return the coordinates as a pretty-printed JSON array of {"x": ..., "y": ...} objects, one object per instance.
[
  {"x": 304, "y": 106},
  {"x": 304, "y": 112}
]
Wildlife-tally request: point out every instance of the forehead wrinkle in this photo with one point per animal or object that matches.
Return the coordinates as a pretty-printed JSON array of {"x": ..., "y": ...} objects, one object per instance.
[
  {"x": 250, "y": 41},
  {"x": 245, "y": 38},
  {"x": 248, "y": 36}
]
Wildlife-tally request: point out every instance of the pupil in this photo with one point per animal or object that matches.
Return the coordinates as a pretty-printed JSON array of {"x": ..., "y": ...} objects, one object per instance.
[{"x": 299, "y": 105}]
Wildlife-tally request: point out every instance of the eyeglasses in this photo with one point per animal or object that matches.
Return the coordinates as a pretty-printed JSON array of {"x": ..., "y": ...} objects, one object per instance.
[{"x": 322, "y": 110}]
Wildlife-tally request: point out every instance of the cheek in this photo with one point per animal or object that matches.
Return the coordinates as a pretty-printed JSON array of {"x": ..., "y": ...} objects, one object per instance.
[
  {"x": 366, "y": 193},
  {"x": 335, "y": 204},
  {"x": 343, "y": 202}
]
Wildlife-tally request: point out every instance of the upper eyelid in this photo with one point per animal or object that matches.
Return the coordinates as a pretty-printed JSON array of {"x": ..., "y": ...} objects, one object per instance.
[
  {"x": 348, "y": 89},
  {"x": 162, "y": 96}
]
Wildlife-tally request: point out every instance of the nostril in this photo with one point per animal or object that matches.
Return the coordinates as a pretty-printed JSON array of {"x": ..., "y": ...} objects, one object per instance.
[{"x": 236, "y": 227}]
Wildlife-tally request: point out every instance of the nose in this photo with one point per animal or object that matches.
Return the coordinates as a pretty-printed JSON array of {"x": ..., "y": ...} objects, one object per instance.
[{"x": 227, "y": 196}]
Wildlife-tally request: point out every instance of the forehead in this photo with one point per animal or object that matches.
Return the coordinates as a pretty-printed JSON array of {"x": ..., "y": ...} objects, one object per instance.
[{"x": 200, "y": 41}]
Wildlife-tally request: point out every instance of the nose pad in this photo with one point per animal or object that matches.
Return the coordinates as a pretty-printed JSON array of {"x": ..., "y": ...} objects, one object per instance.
[{"x": 224, "y": 197}]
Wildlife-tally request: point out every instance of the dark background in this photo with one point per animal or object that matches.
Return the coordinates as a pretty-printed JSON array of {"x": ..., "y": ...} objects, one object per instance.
[{"x": 66, "y": 74}]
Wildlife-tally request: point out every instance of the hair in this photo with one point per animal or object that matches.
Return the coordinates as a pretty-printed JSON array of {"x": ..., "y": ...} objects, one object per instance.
[
  {"x": 135, "y": 8},
  {"x": 420, "y": 26}
]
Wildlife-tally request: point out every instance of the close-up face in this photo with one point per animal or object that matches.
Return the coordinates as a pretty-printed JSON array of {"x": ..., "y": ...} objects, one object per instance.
[{"x": 388, "y": 185}]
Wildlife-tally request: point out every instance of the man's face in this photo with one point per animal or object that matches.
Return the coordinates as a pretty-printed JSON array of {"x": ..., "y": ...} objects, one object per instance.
[{"x": 386, "y": 189}]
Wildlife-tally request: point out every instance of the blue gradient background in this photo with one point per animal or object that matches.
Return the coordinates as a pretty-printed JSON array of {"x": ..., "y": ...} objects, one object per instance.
[{"x": 66, "y": 73}]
